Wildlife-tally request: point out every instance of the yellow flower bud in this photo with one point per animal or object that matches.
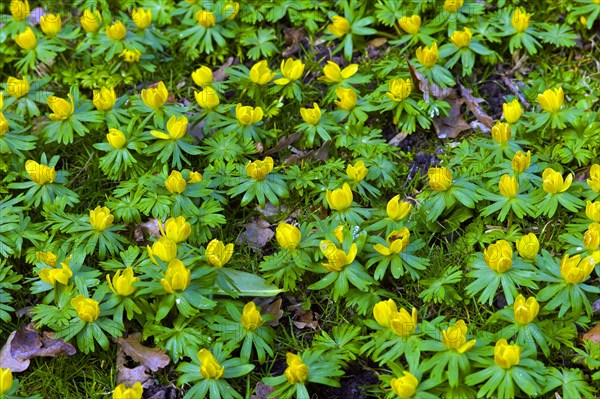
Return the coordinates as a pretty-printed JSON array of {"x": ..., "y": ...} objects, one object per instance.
[
  {"x": 592, "y": 210},
  {"x": 258, "y": 169},
  {"x": 177, "y": 277},
  {"x": 461, "y": 39},
  {"x": 101, "y": 218},
  {"x": 528, "y": 246},
  {"x": 54, "y": 275},
  {"x": 207, "y": 98},
  {"x": 406, "y": 386},
  {"x": 384, "y": 311},
  {"x": 498, "y": 256},
  {"x": 209, "y": 366},
  {"x": 4, "y": 127},
  {"x": 131, "y": 56},
  {"x": 164, "y": 249},
  {"x": 509, "y": 187},
  {"x": 260, "y": 73},
  {"x": 520, "y": 20},
  {"x": 410, "y": 25},
  {"x": 338, "y": 232},
  {"x": 48, "y": 257},
  {"x": 26, "y": 40},
  {"x": 333, "y": 73},
  {"x": 90, "y": 21},
  {"x": 506, "y": 355},
  {"x": 206, "y": 18},
  {"x": 217, "y": 253},
  {"x": 61, "y": 108},
  {"x": 347, "y": 98},
  {"x": 51, "y": 24},
  {"x": 296, "y": 371},
  {"x": 116, "y": 138},
  {"x": 575, "y": 270},
  {"x": 288, "y": 236},
  {"x": 141, "y": 18},
  {"x": 17, "y": 87},
  {"x": 440, "y": 179},
  {"x": 340, "y": 26},
  {"x": 357, "y": 172},
  {"x": 553, "y": 181},
  {"x": 177, "y": 229},
  {"x": 251, "y": 318},
  {"x": 520, "y": 161},
  {"x": 512, "y": 111},
  {"x": 396, "y": 209},
  {"x": 455, "y": 337},
  {"x": 6, "y": 380},
  {"x": 594, "y": 180},
  {"x": 88, "y": 309},
  {"x": 453, "y": 5},
  {"x": 122, "y": 284},
  {"x": 135, "y": 392},
  {"x": 19, "y": 9},
  {"x": 339, "y": 199},
  {"x": 525, "y": 310},
  {"x": 177, "y": 127},
  {"x": 501, "y": 133},
  {"x": 116, "y": 31},
  {"x": 104, "y": 99},
  {"x": 428, "y": 56},
  {"x": 312, "y": 116},
  {"x": 155, "y": 97},
  {"x": 202, "y": 76},
  {"x": 232, "y": 8},
  {"x": 40, "y": 173},
  {"x": 291, "y": 70},
  {"x": 194, "y": 177},
  {"x": 400, "y": 89},
  {"x": 591, "y": 238},
  {"x": 552, "y": 100},
  {"x": 175, "y": 183},
  {"x": 404, "y": 323},
  {"x": 397, "y": 242},
  {"x": 336, "y": 257},
  {"x": 247, "y": 115}
]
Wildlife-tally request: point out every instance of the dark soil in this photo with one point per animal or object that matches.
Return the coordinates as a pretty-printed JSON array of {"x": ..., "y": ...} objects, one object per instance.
[
  {"x": 494, "y": 92},
  {"x": 353, "y": 385}
]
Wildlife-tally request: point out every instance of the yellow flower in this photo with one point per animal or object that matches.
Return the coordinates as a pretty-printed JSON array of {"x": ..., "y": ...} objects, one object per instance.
[
  {"x": 155, "y": 97},
  {"x": 233, "y": 8},
  {"x": 520, "y": 161},
  {"x": 291, "y": 70},
  {"x": 552, "y": 99},
  {"x": 347, "y": 98},
  {"x": 4, "y": 127},
  {"x": 525, "y": 310},
  {"x": 396, "y": 209},
  {"x": 509, "y": 187},
  {"x": 209, "y": 366},
  {"x": 333, "y": 73},
  {"x": 340, "y": 26},
  {"x": 512, "y": 111},
  {"x": 177, "y": 277},
  {"x": 217, "y": 253},
  {"x": 591, "y": 238},
  {"x": 410, "y": 24},
  {"x": 116, "y": 31},
  {"x": 6, "y": 380},
  {"x": 17, "y": 87},
  {"x": 506, "y": 355},
  {"x": 311, "y": 115},
  {"x": 26, "y": 40},
  {"x": 88, "y": 309},
  {"x": 404, "y": 323},
  {"x": 177, "y": 128},
  {"x": 62, "y": 275},
  {"x": 461, "y": 39},
  {"x": 336, "y": 257},
  {"x": 47, "y": 257},
  {"x": 90, "y": 21},
  {"x": 288, "y": 236},
  {"x": 175, "y": 183},
  {"x": 122, "y": 284},
  {"x": 202, "y": 76},
  {"x": 251, "y": 318},
  {"x": 528, "y": 246},
  {"x": 61, "y": 108},
  {"x": 141, "y": 18},
  {"x": 553, "y": 181},
  {"x": 520, "y": 20},
  {"x": 339, "y": 199},
  {"x": 131, "y": 56},
  {"x": 104, "y": 99},
  {"x": 164, "y": 249},
  {"x": 400, "y": 89},
  {"x": 19, "y": 9},
  {"x": 247, "y": 115},
  {"x": 338, "y": 232},
  {"x": 440, "y": 179},
  {"x": 51, "y": 24},
  {"x": 40, "y": 173},
  {"x": 116, "y": 138},
  {"x": 260, "y": 73},
  {"x": 406, "y": 386},
  {"x": 384, "y": 311},
  {"x": 501, "y": 133},
  {"x": 206, "y": 18},
  {"x": 101, "y": 218},
  {"x": 357, "y": 172},
  {"x": 575, "y": 270},
  {"x": 397, "y": 242},
  {"x": 207, "y": 98},
  {"x": 592, "y": 210},
  {"x": 1, "y": 101},
  {"x": 194, "y": 177},
  {"x": 135, "y": 392},
  {"x": 455, "y": 337},
  {"x": 428, "y": 56},
  {"x": 296, "y": 370},
  {"x": 176, "y": 229},
  {"x": 453, "y": 5},
  {"x": 498, "y": 256},
  {"x": 258, "y": 169},
  {"x": 594, "y": 180}
]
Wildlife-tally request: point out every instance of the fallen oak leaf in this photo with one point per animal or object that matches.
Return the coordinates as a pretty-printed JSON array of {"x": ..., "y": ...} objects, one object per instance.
[
  {"x": 593, "y": 335},
  {"x": 151, "y": 358},
  {"x": 257, "y": 234},
  {"x": 473, "y": 105},
  {"x": 448, "y": 127}
]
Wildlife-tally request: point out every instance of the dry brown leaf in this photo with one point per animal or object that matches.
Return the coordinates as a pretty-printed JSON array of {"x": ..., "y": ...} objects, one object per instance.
[
  {"x": 151, "y": 358},
  {"x": 473, "y": 105},
  {"x": 263, "y": 391},
  {"x": 292, "y": 37},
  {"x": 220, "y": 74},
  {"x": 450, "y": 126},
  {"x": 377, "y": 42},
  {"x": 593, "y": 335},
  {"x": 303, "y": 318},
  {"x": 284, "y": 142},
  {"x": 257, "y": 234},
  {"x": 273, "y": 309},
  {"x": 130, "y": 376}
]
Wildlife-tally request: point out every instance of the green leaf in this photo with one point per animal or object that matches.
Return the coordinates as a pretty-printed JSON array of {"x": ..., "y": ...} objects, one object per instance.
[{"x": 247, "y": 284}]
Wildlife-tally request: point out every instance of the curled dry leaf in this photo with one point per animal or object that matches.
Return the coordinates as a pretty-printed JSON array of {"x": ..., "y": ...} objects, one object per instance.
[
  {"x": 593, "y": 335},
  {"x": 262, "y": 391},
  {"x": 257, "y": 234},
  {"x": 151, "y": 358},
  {"x": 273, "y": 309}
]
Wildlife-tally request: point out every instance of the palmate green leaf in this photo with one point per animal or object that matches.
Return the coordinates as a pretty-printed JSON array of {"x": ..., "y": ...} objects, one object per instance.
[
  {"x": 558, "y": 35},
  {"x": 260, "y": 42},
  {"x": 572, "y": 381}
]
